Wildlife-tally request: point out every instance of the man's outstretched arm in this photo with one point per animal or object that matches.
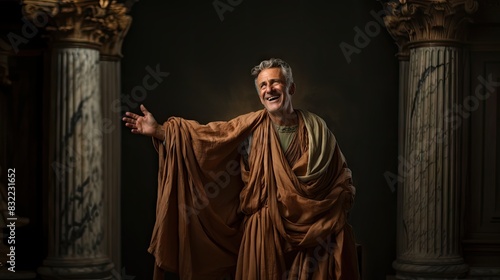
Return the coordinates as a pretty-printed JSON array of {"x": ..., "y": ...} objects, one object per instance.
[{"x": 144, "y": 125}]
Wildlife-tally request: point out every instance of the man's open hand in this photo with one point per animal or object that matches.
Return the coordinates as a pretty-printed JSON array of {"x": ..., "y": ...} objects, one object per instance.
[{"x": 145, "y": 125}]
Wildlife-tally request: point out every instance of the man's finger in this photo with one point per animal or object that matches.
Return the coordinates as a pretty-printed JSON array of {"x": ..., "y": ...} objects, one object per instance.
[
  {"x": 129, "y": 120},
  {"x": 131, "y": 125},
  {"x": 144, "y": 110},
  {"x": 132, "y": 115}
]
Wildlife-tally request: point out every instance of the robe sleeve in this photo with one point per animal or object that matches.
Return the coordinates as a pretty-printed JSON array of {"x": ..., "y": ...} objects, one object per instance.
[{"x": 197, "y": 229}]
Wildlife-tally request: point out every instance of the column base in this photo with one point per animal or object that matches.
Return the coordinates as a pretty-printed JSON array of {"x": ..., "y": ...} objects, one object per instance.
[
  {"x": 83, "y": 269},
  {"x": 441, "y": 269}
]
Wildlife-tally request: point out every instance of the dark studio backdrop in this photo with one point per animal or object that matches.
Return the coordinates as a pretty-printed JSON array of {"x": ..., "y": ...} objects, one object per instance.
[{"x": 208, "y": 55}]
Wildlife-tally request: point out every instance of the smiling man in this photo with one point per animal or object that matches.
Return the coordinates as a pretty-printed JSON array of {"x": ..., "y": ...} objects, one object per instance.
[
  {"x": 275, "y": 92},
  {"x": 262, "y": 196}
]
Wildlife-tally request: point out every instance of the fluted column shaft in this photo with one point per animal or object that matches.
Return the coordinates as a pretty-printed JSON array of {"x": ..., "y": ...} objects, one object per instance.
[
  {"x": 430, "y": 243},
  {"x": 110, "y": 86},
  {"x": 76, "y": 185}
]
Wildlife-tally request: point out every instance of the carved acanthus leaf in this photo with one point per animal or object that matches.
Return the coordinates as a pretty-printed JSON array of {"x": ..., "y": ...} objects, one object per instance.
[
  {"x": 115, "y": 27},
  {"x": 421, "y": 20},
  {"x": 69, "y": 20}
]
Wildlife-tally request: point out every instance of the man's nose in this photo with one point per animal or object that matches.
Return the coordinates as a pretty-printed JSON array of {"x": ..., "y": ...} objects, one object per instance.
[{"x": 268, "y": 88}]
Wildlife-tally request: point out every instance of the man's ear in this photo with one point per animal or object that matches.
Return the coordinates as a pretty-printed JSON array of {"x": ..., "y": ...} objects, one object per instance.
[{"x": 291, "y": 90}]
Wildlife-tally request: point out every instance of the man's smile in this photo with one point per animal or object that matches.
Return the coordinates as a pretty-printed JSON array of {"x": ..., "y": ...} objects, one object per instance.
[{"x": 272, "y": 98}]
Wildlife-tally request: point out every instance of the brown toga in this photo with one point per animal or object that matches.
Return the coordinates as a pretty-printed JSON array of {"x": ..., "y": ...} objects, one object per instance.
[{"x": 230, "y": 200}]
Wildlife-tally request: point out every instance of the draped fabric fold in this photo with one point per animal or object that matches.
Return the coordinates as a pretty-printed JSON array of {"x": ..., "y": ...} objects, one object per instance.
[{"x": 255, "y": 212}]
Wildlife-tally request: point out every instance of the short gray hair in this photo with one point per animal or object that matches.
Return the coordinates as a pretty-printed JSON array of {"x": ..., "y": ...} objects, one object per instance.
[{"x": 274, "y": 63}]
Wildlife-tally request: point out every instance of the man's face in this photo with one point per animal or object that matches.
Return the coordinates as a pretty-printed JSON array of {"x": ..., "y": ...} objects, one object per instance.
[{"x": 273, "y": 93}]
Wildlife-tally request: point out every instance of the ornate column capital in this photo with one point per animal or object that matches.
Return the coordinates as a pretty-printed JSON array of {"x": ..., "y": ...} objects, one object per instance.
[
  {"x": 69, "y": 21},
  {"x": 416, "y": 21},
  {"x": 115, "y": 26}
]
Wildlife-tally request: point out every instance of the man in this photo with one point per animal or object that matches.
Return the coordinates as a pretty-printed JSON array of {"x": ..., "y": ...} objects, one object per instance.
[{"x": 262, "y": 196}]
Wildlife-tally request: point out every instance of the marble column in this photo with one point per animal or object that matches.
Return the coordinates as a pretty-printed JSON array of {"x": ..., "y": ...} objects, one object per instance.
[
  {"x": 76, "y": 230},
  {"x": 117, "y": 26},
  {"x": 75, "y": 217},
  {"x": 430, "y": 200},
  {"x": 431, "y": 32}
]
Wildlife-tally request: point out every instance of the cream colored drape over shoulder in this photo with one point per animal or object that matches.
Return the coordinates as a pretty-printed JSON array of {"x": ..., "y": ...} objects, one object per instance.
[{"x": 256, "y": 212}]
